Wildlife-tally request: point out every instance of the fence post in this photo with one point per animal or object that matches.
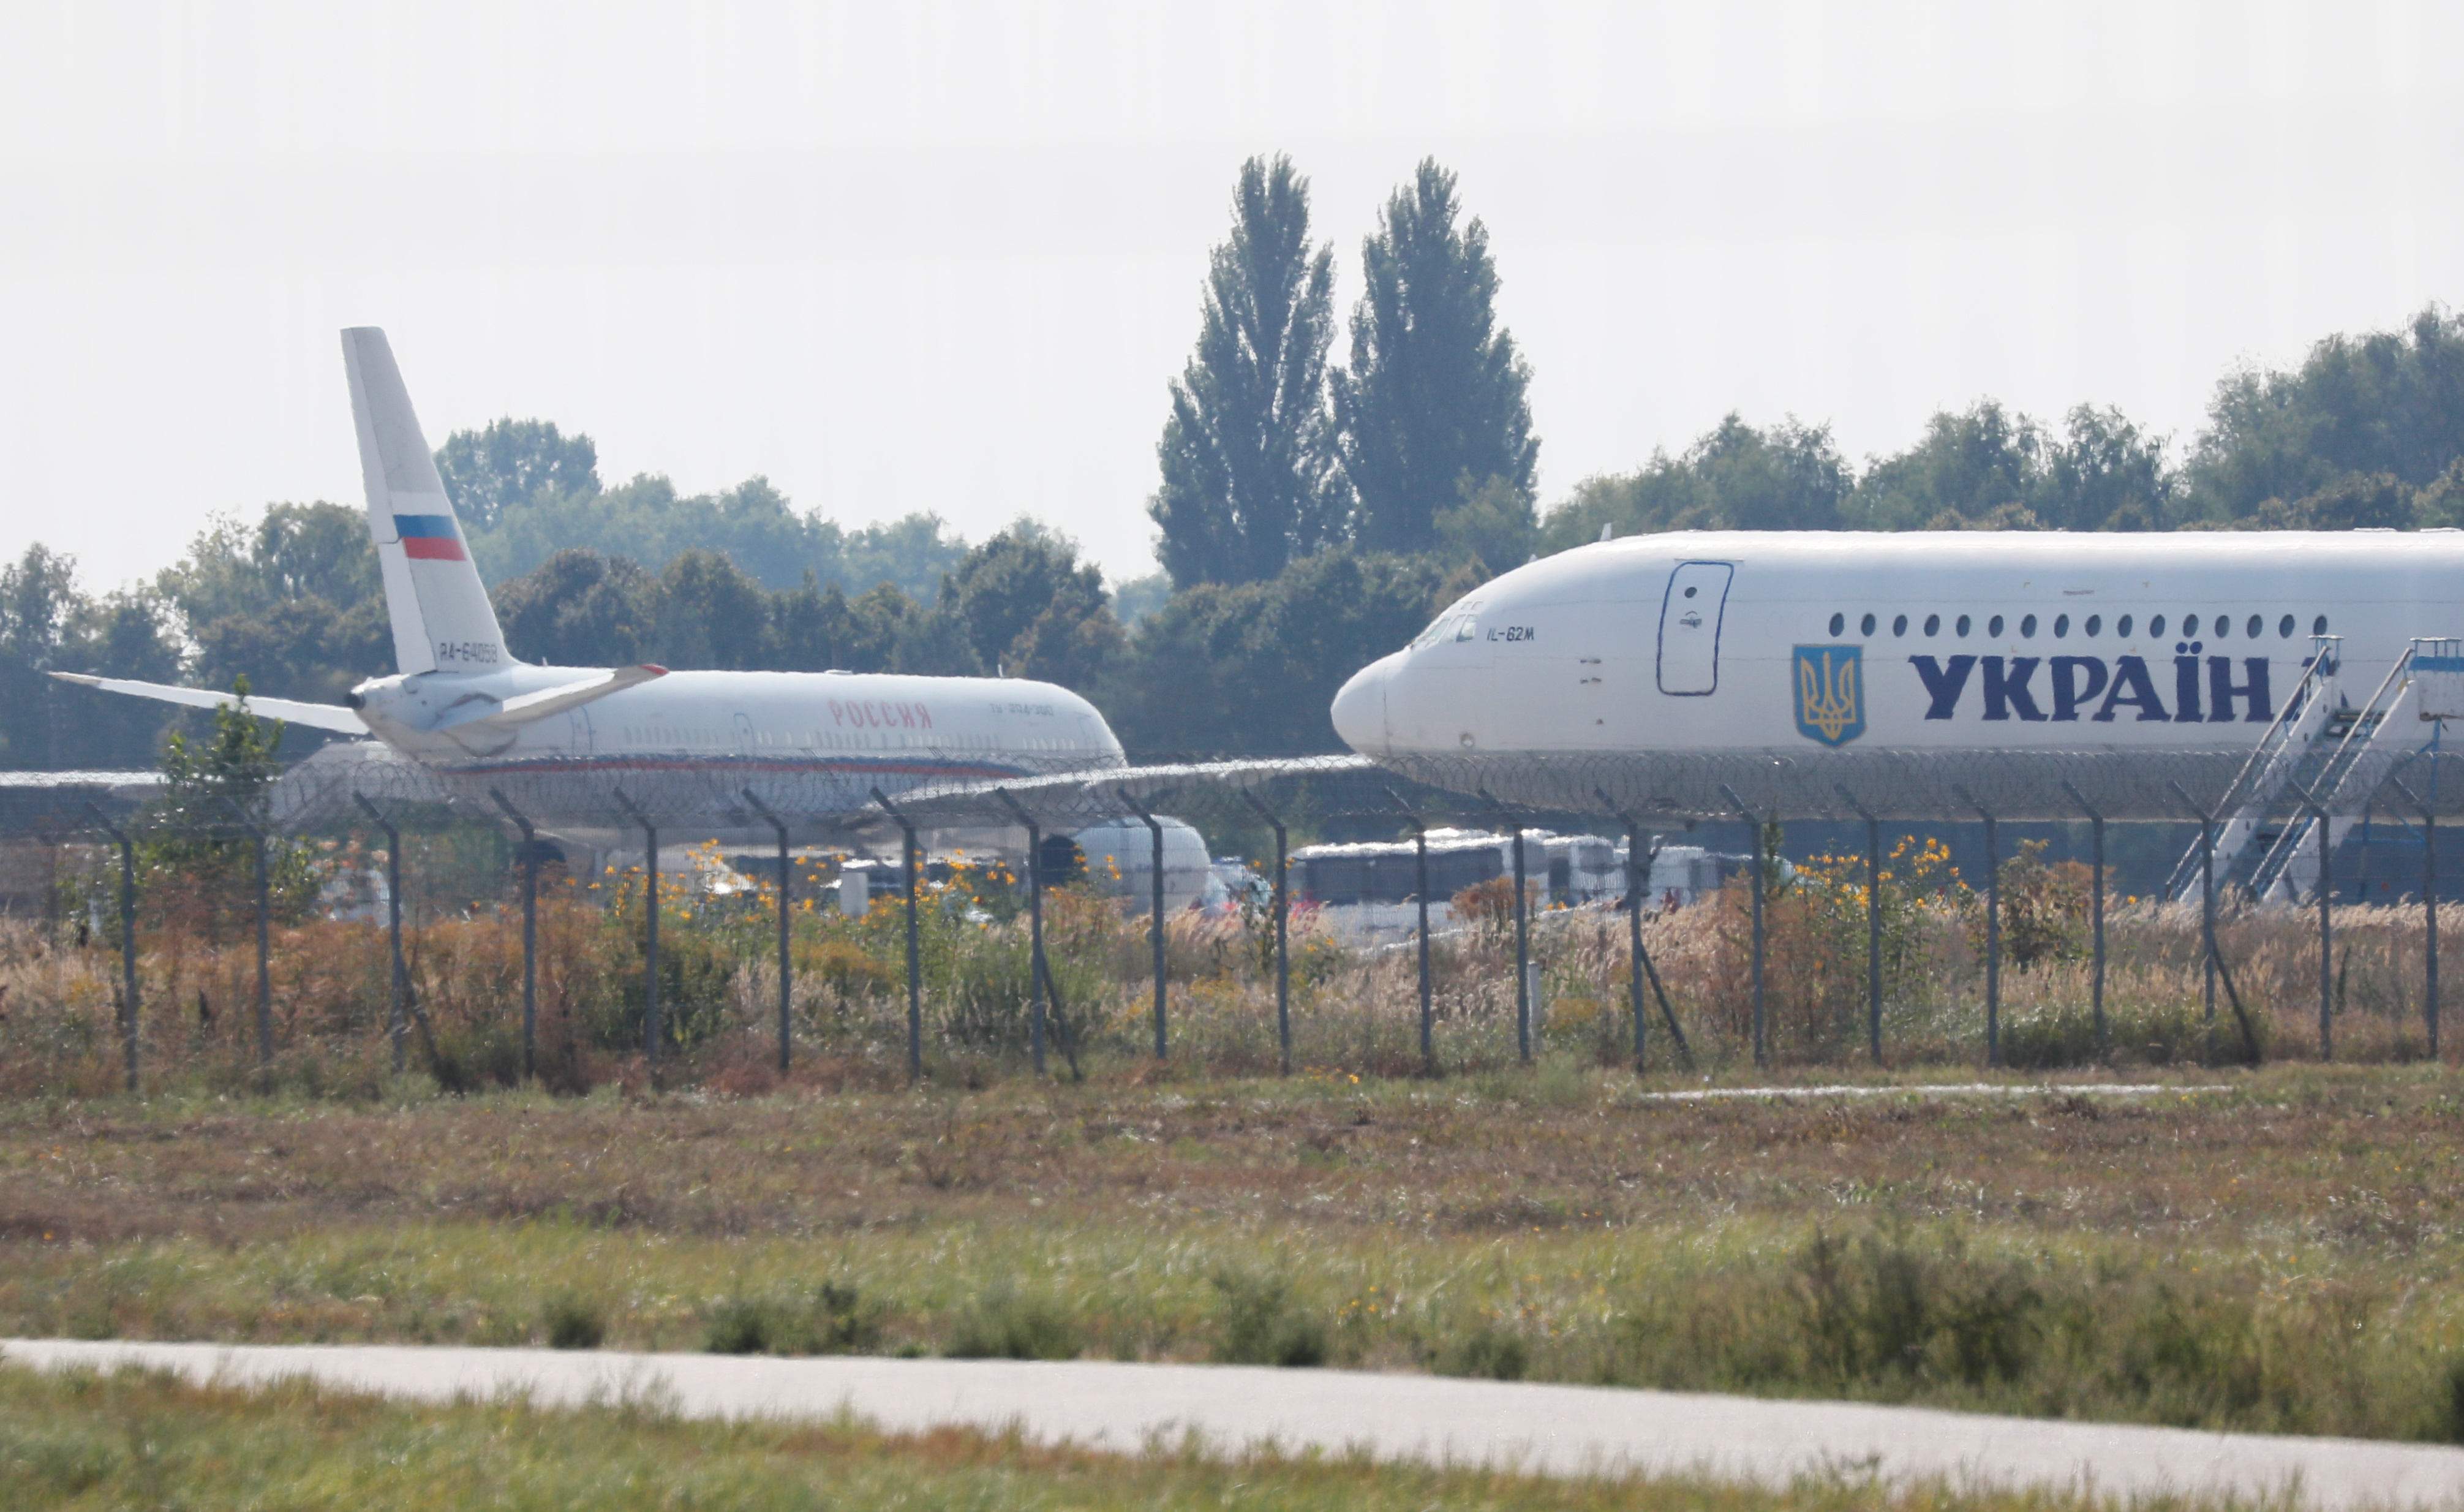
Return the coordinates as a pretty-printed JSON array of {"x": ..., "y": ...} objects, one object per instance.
[
  {"x": 2096, "y": 921},
  {"x": 2326, "y": 936},
  {"x": 2325, "y": 896},
  {"x": 786, "y": 902},
  {"x": 1154, "y": 923},
  {"x": 530, "y": 933},
  {"x": 1762, "y": 1045},
  {"x": 1421, "y": 885},
  {"x": 128, "y": 941},
  {"x": 2429, "y": 907},
  {"x": 1034, "y": 925},
  {"x": 1993, "y": 945},
  {"x": 1992, "y": 935},
  {"x": 650, "y": 939},
  {"x": 397, "y": 1015},
  {"x": 1637, "y": 875},
  {"x": 1522, "y": 937},
  {"x": 1873, "y": 938},
  {"x": 264, "y": 944},
  {"x": 2429, "y": 886},
  {"x": 914, "y": 955},
  {"x": 2208, "y": 927},
  {"x": 1872, "y": 926},
  {"x": 2429, "y": 921},
  {"x": 1640, "y": 969},
  {"x": 2216, "y": 971},
  {"x": 1283, "y": 917}
]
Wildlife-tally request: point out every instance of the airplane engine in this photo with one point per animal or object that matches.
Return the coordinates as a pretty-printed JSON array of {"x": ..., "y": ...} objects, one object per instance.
[{"x": 1120, "y": 860}]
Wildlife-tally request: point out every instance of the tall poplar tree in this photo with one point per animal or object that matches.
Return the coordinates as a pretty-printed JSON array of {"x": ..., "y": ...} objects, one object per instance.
[
  {"x": 1431, "y": 413},
  {"x": 1249, "y": 476}
]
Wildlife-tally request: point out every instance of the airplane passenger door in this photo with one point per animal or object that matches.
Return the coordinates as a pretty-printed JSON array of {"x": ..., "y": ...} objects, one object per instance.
[
  {"x": 577, "y": 732},
  {"x": 744, "y": 733},
  {"x": 1689, "y": 628}
]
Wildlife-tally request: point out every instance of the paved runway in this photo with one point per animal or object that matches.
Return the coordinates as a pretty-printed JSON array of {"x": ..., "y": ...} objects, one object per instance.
[{"x": 1559, "y": 1429}]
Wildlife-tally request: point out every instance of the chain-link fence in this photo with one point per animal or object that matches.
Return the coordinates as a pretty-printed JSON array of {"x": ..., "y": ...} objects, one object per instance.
[{"x": 453, "y": 934}]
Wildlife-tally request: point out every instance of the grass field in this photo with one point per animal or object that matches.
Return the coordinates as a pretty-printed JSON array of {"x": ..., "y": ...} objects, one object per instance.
[
  {"x": 2274, "y": 1250},
  {"x": 134, "y": 1439}
]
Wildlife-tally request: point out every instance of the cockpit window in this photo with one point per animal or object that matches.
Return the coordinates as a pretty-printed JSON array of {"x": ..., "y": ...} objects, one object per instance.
[{"x": 1456, "y": 623}]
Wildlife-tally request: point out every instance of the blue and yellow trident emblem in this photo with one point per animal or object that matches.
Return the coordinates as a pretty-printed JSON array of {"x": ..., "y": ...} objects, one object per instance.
[{"x": 1831, "y": 693}]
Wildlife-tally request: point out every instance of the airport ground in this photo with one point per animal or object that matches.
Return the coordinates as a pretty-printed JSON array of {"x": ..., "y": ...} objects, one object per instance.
[
  {"x": 2272, "y": 1250},
  {"x": 82, "y": 1439}
]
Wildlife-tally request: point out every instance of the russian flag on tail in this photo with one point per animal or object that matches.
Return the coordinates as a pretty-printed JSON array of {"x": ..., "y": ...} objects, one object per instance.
[{"x": 429, "y": 538}]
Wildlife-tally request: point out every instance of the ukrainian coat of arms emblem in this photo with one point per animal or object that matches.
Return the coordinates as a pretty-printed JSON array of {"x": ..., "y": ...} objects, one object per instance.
[{"x": 1830, "y": 693}]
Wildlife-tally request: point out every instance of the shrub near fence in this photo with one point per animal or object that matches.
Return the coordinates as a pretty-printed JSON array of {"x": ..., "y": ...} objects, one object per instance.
[{"x": 1354, "y": 1011}]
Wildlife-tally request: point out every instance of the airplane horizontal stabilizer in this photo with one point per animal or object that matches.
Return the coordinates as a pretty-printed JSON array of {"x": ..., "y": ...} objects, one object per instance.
[
  {"x": 320, "y": 716},
  {"x": 546, "y": 701}
]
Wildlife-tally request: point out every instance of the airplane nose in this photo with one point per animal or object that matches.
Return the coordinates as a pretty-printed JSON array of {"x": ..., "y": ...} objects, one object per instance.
[{"x": 1359, "y": 710}]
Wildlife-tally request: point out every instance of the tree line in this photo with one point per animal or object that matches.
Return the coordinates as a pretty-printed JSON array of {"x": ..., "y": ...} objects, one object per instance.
[
  {"x": 525, "y": 490},
  {"x": 293, "y": 604},
  {"x": 1311, "y": 515},
  {"x": 1422, "y": 442}
]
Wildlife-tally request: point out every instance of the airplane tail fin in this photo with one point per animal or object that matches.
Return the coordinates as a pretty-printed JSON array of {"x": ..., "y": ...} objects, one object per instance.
[{"x": 442, "y": 618}]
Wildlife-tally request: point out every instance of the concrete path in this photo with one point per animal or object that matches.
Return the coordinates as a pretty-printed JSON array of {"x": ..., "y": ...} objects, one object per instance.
[
  {"x": 1557, "y": 1428},
  {"x": 1922, "y": 1089}
]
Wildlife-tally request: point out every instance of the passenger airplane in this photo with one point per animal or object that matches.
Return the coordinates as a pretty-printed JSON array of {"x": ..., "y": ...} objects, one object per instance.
[
  {"x": 1922, "y": 676},
  {"x": 563, "y": 740}
]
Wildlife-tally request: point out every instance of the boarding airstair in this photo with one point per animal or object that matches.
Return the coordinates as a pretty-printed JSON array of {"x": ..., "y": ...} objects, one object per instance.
[
  {"x": 2425, "y": 686},
  {"x": 2314, "y": 721},
  {"x": 2331, "y": 755}
]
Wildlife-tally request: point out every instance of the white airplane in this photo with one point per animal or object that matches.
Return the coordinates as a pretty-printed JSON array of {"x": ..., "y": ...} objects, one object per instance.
[
  {"x": 684, "y": 745},
  {"x": 1935, "y": 675}
]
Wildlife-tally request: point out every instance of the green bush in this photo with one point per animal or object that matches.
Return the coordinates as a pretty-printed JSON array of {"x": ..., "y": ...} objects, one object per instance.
[
  {"x": 1881, "y": 1308},
  {"x": 1002, "y": 1325},
  {"x": 2154, "y": 1035},
  {"x": 697, "y": 966},
  {"x": 573, "y": 1324},
  {"x": 1261, "y": 1324},
  {"x": 851, "y": 971},
  {"x": 826, "y": 1319},
  {"x": 743, "y": 1326},
  {"x": 1491, "y": 1352},
  {"x": 991, "y": 983}
]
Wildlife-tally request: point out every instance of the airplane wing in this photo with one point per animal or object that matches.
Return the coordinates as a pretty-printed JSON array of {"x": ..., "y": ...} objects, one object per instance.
[
  {"x": 321, "y": 716},
  {"x": 1091, "y": 792},
  {"x": 516, "y": 712}
]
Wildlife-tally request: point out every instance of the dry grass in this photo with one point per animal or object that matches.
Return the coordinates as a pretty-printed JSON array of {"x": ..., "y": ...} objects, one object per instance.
[
  {"x": 2279, "y": 1253},
  {"x": 2276, "y": 1253},
  {"x": 1351, "y": 1010},
  {"x": 2343, "y": 1156}
]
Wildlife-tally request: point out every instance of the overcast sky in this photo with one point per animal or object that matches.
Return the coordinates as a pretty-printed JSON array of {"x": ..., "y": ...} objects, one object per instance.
[{"x": 903, "y": 257}]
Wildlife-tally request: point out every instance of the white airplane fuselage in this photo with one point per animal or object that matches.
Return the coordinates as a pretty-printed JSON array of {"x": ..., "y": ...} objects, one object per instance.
[
  {"x": 1914, "y": 674},
  {"x": 808, "y": 744}
]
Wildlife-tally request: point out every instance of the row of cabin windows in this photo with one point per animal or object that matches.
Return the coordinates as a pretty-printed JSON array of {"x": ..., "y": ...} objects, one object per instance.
[
  {"x": 831, "y": 740},
  {"x": 2219, "y": 627}
]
